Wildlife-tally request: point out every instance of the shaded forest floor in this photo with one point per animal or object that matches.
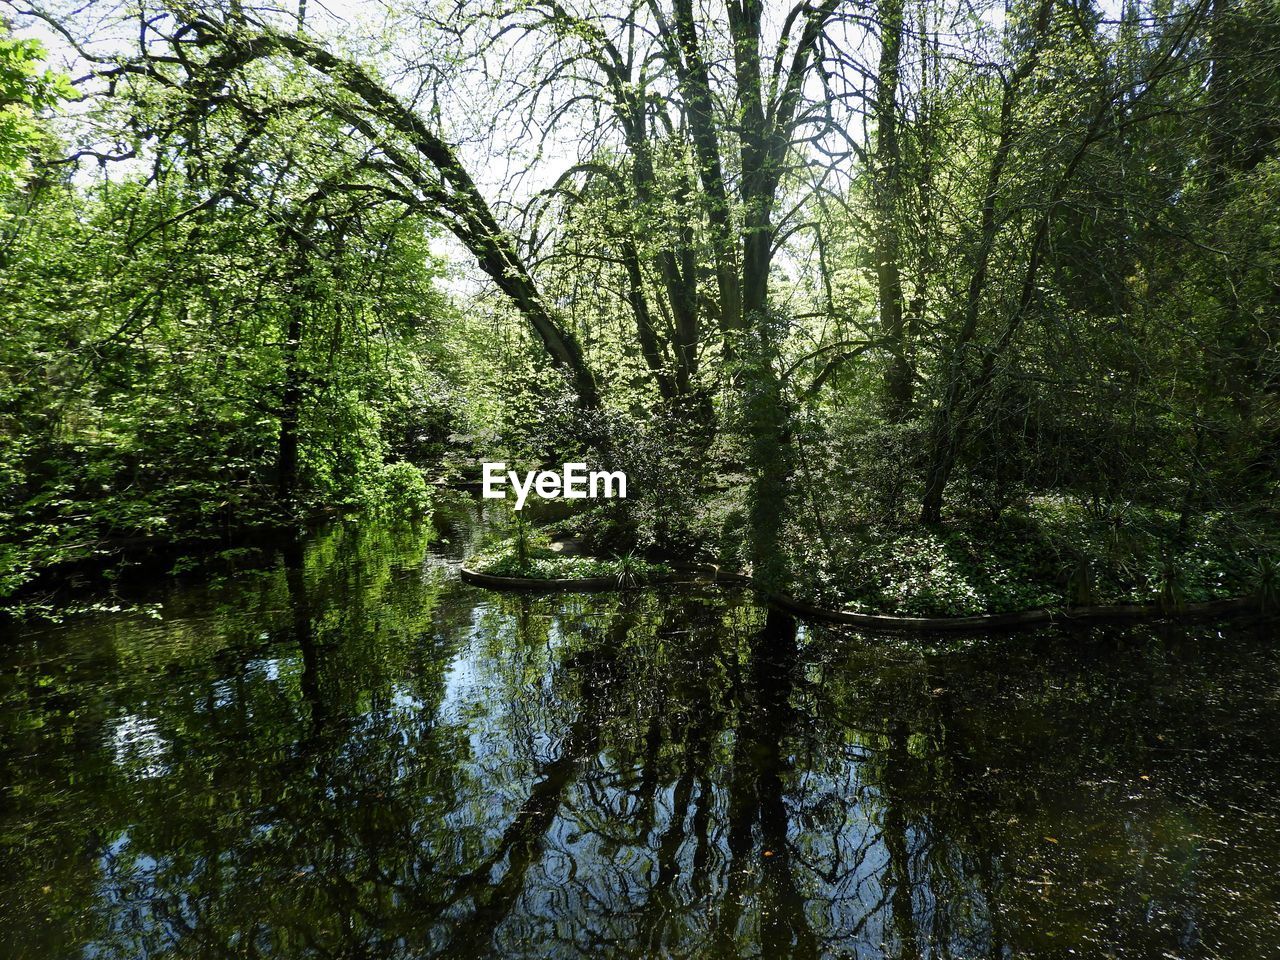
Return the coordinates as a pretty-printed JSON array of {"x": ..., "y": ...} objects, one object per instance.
[{"x": 1051, "y": 553}]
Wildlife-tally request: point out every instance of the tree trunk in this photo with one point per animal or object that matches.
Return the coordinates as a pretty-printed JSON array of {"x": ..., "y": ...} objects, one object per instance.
[
  {"x": 461, "y": 207},
  {"x": 943, "y": 436},
  {"x": 695, "y": 86},
  {"x": 290, "y": 409},
  {"x": 887, "y": 191},
  {"x": 767, "y": 429}
]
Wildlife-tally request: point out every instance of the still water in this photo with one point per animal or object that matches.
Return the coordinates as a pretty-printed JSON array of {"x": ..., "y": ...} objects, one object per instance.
[{"x": 351, "y": 754}]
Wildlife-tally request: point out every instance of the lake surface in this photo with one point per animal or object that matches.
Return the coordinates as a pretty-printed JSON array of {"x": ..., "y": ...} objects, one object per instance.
[{"x": 352, "y": 754}]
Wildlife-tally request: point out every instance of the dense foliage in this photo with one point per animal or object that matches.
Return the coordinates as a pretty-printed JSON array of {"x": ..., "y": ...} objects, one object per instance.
[
  {"x": 907, "y": 304},
  {"x": 184, "y": 365}
]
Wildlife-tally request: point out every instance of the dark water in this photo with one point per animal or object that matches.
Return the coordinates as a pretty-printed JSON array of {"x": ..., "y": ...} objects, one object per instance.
[{"x": 353, "y": 755}]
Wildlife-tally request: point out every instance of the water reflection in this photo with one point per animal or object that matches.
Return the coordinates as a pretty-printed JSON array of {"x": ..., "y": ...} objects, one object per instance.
[{"x": 353, "y": 755}]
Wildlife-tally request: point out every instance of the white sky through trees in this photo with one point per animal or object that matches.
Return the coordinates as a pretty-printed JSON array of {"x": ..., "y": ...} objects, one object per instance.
[{"x": 523, "y": 106}]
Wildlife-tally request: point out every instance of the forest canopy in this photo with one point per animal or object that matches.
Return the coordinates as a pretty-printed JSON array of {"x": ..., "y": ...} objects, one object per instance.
[{"x": 908, "y": 305}]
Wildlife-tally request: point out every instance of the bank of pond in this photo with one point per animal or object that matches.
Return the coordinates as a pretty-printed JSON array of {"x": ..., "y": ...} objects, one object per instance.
[{"x": 1014, "y": 575}]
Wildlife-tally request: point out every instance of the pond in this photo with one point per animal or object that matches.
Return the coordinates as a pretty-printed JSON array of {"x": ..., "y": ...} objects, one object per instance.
[{"x": 349, "y": 753}]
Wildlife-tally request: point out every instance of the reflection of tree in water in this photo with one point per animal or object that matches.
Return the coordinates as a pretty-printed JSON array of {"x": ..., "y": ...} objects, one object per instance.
[
  {"x": 354, "y": 757},
  {"x": 717, "y": 859},
  {"x": 757, "y": 800}
]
